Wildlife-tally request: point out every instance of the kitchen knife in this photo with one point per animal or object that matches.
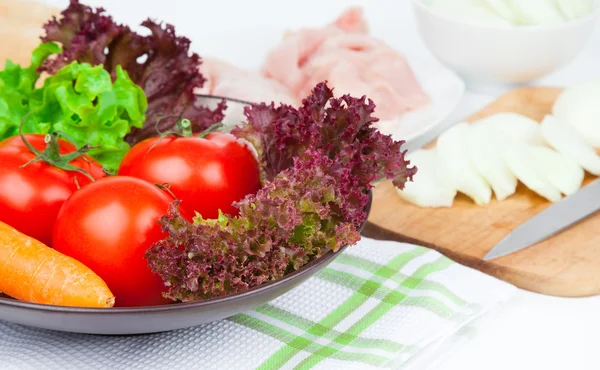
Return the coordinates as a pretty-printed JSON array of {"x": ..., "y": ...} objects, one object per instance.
[{"x": 550, "y": 221}]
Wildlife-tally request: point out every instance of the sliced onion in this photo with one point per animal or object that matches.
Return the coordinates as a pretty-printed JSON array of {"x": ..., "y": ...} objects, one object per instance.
[
  {"x": 573, "y": 9},
  {"x": 532, "y": 12},
  {"x": 567, "y": 141},
  {"x": 501, "y": 8},
  {"x": 563, "y": 173},
  {"x": 428, "y": 188},
  {"x": 468, "y": 11},
  {"x": 520, "y": 161},
  {"x": 456, "y": 166},
  {"x": 485, "y": 152},
  {"x": 514, "y": 126},
  {"x": 579, "y": 106}
]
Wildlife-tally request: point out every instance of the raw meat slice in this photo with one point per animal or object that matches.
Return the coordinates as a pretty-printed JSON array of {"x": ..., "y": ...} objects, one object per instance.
[
  {"x": 352, "y": 61},
  {"x": 227, "y": 80}
]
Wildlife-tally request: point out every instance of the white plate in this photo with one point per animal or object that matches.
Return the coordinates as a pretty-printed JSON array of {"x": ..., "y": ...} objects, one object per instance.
[
  {"x": 445, "y": 90},
  {"x": 246, "y": 49}
]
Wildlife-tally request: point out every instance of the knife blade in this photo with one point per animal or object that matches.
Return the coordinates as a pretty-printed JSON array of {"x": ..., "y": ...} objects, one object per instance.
[{"x": 550, "y": 221}]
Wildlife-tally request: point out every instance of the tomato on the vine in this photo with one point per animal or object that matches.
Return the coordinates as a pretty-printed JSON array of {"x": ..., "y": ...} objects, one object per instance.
[
  {"x": 206, "y": 173},
  {"x": 108, "y": 226},
  {"x": 31, "y": 193}
]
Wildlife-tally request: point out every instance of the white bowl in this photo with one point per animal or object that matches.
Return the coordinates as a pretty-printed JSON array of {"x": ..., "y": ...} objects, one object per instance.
[{"x": 504, "y": 55}]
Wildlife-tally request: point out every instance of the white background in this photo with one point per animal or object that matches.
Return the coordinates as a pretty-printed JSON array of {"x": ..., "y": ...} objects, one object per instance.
[{"x": 531, "y": 331}]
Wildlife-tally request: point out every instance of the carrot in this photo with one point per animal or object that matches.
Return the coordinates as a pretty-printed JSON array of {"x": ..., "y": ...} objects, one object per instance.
[{"x": 33, "y": 272}]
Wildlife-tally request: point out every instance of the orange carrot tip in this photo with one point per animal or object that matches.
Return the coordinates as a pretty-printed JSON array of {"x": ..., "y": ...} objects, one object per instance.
[{"x": 33, "y": 272}]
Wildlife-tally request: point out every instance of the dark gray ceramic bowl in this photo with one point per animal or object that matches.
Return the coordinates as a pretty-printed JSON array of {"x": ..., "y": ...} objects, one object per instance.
[{"x": 141, "y": 320}]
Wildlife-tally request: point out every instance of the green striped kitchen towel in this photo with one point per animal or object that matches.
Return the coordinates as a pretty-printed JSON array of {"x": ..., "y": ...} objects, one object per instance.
[{"x": 378, "y": 305}]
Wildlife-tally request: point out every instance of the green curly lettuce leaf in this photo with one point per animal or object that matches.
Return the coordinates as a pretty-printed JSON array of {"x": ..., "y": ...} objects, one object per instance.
[
  {"x": 82, "y": 102},
  {"x": 16, "y": 86}
]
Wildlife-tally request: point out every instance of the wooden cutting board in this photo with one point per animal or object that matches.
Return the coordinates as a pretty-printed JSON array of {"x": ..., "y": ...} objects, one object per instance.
[
  {"x": 565, "y": 265},
  {"x": 21, "y": 24}
]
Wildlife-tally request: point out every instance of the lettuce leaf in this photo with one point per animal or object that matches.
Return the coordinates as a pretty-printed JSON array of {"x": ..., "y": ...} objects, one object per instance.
[
  {"x": 16, "y": 86},
  {"x": 160, "y": 63},
  {"x": 292, "y": 220},
  {"x": 80, "y": 101},
  {"x": 318, "y": 162},
  {"x": 342, "y": 128}
]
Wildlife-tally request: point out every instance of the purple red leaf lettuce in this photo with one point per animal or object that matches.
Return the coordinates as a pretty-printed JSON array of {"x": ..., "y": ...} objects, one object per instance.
[
  {"x": 160, "y": 63},
  {"x": 318, "y": 163},
  {"x": 289, "y": 222},
  {"x": 341, "y": 127}
]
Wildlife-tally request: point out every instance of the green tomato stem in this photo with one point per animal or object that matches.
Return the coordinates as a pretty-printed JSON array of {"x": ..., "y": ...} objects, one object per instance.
[
  {"x": 215, "y": 127},
  {"x": 51, "y": 155},
  {"x": 166, "y": 187}
]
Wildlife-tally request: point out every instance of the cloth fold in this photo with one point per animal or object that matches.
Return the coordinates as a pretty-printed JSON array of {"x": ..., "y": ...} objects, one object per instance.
[{"x": 378, "y": 305}]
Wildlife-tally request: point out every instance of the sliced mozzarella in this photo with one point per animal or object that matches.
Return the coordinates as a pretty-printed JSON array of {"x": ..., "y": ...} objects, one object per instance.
[
  {"x": 579, "y": 106},
  {"x": 456, "y": 167},
  {"x": 428, "y": 188},
  {"x": 515, "y": 126},
  {"x": 573, "y": 9},
  {"x": 520, "y": 161},
  {"x": 485, "y": 152},
  {"x": 533, "y": 12},
  {"x": 567, "y": 141},
  {"x": 563, "y": 173}
]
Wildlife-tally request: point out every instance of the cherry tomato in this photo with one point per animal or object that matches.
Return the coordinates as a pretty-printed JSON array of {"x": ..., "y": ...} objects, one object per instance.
[
  {"x": 30, "y": 197},
  {"x": 207, "y": 174},
  {"x": 108, "y": 226}
]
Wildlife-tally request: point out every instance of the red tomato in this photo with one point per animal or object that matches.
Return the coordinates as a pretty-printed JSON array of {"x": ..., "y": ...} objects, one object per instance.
[
  {"x": 207, "y": 174},
  {"x": 108, "y": 226},
  {"x": 31, "y": 197}
]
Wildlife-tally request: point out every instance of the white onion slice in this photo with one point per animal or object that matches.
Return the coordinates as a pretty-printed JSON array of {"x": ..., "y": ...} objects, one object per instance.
[
  {"x": 579, "y": 106},
  {"x": 520, "y": 161},
  {"x": 456, "y": 167},
  {"x": 485, "y": 152},
  {"x": 567, "y": 141},
  {"x": 501, "y": 8},
  {"x": 573, "y": 9},
  {"x": 428, "y": 188},
  {"x": 563, "y": 173},
  {"x": 533, "y": 12},
  {"x": 469, "y": 11},
  {"x": 514, "y": 126}
]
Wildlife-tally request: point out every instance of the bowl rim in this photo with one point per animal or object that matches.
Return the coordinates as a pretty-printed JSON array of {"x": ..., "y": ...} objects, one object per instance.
[
  {"x": 220, "y": 97},
  {"x": 173, "y": 306},
  {"x": 323, "y": 260},
  {"x": 573, "y": 23}
]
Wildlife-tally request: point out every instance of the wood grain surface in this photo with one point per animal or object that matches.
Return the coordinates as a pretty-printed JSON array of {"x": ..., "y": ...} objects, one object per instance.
[
  {"x": 21, "y": 24},
  {"x": 565, "y": 265}
]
